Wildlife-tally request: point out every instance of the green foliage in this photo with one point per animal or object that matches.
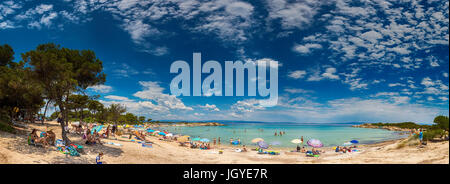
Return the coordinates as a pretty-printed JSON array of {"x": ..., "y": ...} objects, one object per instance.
[
  {"x": 62, "y": 72},
  {"x": 5, "y": 127},
  {"x": 441, "y": 122},
  {"x": 431, "y": 134},
  {"x": 18, "y": 87},
  {"x": 406, "y": 125}
]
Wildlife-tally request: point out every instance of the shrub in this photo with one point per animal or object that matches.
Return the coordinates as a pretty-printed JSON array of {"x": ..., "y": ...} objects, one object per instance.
[
  {"x": 6, "y": 127},
  {"x": 431, "y": 134}
]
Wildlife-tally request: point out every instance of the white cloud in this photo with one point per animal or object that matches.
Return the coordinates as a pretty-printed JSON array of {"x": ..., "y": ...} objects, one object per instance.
[
  {"x": 118, "y": 98},
  {"x": 211, "y": 107},
  {"x": 101, "y": 88},
  {"x": 330, "y": 73},
  {"x": 306, "y": 48},
  {"x": 297, "y": 74},
  {"x": 297, "y": 90},
  {"x": 153, "y": 91}
]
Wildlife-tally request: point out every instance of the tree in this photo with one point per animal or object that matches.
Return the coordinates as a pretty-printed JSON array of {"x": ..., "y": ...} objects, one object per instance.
[
  {"x": 130, "y": 118},
  {"x": 62, "y": 72},
  {"x": 141, "y": 119},
  {"x": 115, "y": 111},
  {"x": 441, "y": 122},
  {"x": 95, "y": 107},
  {"x": 78, "y": 103},
  {"x": 20, "y": 92}
]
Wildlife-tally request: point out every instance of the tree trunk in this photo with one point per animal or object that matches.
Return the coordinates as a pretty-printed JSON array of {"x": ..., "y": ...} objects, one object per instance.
[
  {"x": 45, "y": 111},
  {"x": 63, "y": 125}
]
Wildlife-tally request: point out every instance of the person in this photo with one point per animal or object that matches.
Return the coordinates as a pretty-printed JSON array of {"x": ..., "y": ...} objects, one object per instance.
[
  {"x": 99, "y": 158},
  {"x": 281, "y": 133},
  {"x": 275, "y": 133},
  {"x": 239, "y": 141},
  {"x": 420, "y": 135},
  {"x": 107, "y": 132},
  {"x": 113, "y": 130},
  {"x": 337, "y": 149},
  {"x": 303, "y": 150},
  {"x": 301, "y": 139},
  {"x": 35, "y": 138},
  {"x": 231, "y": 141},
  {"x": 298, "y": 148},
  {"x": 244, "y": 149},
  {"x": 214, "y": 141},
  {"x": 219, "y": 141}
]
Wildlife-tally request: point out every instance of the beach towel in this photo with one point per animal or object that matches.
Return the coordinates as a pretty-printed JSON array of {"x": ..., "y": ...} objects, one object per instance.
[{"x": 147, "y": 145}]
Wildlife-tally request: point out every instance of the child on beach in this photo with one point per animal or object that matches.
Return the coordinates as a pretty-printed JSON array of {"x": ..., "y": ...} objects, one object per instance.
[{"x": 98, "y": 159}]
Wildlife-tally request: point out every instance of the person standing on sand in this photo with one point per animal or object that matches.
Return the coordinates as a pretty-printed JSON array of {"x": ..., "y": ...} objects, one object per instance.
[
  {"x": 219, "y": 140},
  {"x": 214, "y": 141},
  {"x": 231, "y": 141},
  {"x": 420, "y": 136}
]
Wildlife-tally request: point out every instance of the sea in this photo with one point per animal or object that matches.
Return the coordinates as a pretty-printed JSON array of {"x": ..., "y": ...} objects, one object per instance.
[{"x": 330, "y": 134}]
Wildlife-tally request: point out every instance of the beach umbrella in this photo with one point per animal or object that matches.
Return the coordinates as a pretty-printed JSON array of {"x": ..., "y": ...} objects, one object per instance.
[
  {"x": 275, "y": 143},
  {"x": 162, "y": 133},
  {"x": 169, "y": 135},
  {"x": 296, "y": 141},
  {"x": 255, "y": 140},
  {"x": 97, "y": 128},
  {"x": 182, "y": 139},
  {"x": 263, "y": 145},
  {"x": 314, "y": 143},
  {"x": 196, "y": 139},
  {"x": 150, "y": 130},
  {"x": 354, "y": 141},
  {"x": 204, "y": 140}
]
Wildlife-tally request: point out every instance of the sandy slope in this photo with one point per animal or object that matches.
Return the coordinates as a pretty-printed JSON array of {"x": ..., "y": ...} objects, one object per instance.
[{"x": 14, "y": 149}]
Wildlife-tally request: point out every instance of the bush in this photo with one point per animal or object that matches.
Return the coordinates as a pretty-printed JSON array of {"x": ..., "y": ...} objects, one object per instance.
[
  {"x": 6, "y": 127},
  {"x": 431, "y": 134}
]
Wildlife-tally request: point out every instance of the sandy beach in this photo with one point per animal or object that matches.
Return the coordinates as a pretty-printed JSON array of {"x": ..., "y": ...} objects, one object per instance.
[{"x": 15, "y": 150}]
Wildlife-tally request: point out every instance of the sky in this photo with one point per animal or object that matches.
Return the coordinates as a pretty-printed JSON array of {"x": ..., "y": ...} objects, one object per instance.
[{"x": 338, "y": 61}]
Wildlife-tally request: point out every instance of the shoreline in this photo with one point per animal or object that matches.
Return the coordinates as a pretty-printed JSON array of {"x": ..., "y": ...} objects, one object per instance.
[{"x": 14, "y": 150}]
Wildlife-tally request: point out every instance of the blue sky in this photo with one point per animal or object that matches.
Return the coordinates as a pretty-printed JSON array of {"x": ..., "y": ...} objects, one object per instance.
[{"x": 339, "y": 61}]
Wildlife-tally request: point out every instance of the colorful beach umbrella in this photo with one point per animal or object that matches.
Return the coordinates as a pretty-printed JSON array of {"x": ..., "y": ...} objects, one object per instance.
[
  {"x": 162, "y": 133},
  {"x": 169, "y": 135},
  {"x": 314, "y": 143},
  {"x": 354, "y": 141},
  {"x": 263, "y": 145},
  {"x": 196, "y": 139},
  {"x": 255, "y": 140},
  {"x": 204, "y": 140},
  {"x": 296, "y": 141},
  {"x": 150, "y": 130},
  {"x": 97, "y": 128},
  {"x": 183, "y": 139}
]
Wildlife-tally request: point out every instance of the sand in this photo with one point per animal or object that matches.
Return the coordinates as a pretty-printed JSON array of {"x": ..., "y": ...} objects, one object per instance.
[{"x": 15, "y": 150}]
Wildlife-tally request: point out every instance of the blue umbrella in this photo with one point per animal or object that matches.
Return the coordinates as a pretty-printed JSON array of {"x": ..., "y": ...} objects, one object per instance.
[
  {"x": 150, "y": 130},
  {"x": 162, "y": 133},
  {"x": 354, "y": 141},
  {"x": 263, "y": 145},
  {"x": 97, "y": 128},
  {"x": 204, "y": 140},
  {"x": 196, "y": 139}
]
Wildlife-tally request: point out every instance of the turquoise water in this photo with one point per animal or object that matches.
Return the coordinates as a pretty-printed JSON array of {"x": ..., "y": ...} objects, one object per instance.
[{"x": 329, "y": 134}]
